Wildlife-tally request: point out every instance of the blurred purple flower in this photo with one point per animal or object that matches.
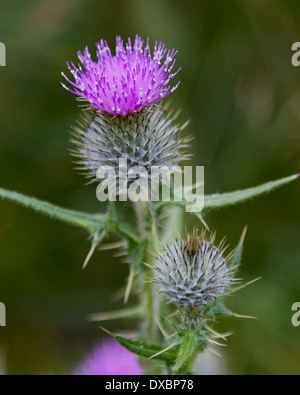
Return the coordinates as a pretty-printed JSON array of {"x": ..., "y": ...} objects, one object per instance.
[
  {"x": 124, "y": 83},
  {"x": 109, "y": 358}
]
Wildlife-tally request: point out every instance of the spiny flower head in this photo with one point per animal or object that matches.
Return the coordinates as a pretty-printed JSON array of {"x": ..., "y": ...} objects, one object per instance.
[
  {"x": 126, "y": 82},
  {"x": 192, "y": 274},
  {"x": 145, "y": 141}
]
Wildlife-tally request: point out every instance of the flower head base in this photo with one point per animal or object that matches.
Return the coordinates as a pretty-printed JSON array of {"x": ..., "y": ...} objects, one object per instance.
[
  {"x": 126, "y": 82},
  {"x": 147, "y": 141},
  {"x": 193, "y": 274}
]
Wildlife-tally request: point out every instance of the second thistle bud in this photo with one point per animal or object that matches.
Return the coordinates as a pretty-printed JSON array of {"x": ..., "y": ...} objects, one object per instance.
[{"x": 192, "y": 274}]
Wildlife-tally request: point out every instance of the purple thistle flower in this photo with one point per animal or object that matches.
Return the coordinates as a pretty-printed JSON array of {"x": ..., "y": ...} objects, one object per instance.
[
  {"x": 110, "y": 359},
  {"x": 124, "y": 83}
]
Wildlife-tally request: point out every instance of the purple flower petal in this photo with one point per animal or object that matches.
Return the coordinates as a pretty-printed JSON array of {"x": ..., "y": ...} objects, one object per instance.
[
  {"x": 124, "y": 83},
  {"x": 110, "y": 359}
]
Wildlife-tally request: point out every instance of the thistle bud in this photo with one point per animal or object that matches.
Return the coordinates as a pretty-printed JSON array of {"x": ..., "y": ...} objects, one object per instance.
[{"x": 193, "y": 274}]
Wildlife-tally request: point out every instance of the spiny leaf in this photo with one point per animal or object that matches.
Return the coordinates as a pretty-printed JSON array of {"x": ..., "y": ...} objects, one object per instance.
[
  {"x": 219, "y": 309},
  {"x": 232, "y": 198},
  {"x": 188, "y": 347},
  {"x": 147, "y": 350},
  {"x": 235, "y": 261},
  {"x": 122, "y": 227},
  {"x": 223, "y": 200},
  {"x": 92, "y": 223},
  {"x": 97, "y": 225}
]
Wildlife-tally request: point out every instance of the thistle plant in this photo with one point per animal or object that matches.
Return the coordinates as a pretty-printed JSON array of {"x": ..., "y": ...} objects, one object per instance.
[{"x": 182, "y": 281}]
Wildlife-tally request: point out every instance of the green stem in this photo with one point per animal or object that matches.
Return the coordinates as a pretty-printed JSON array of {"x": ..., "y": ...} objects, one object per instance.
[{"x": 147, "y": 229}]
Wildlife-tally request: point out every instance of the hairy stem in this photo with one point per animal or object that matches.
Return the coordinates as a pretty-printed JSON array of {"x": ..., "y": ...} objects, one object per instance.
[{"x": 147, "y": 229}]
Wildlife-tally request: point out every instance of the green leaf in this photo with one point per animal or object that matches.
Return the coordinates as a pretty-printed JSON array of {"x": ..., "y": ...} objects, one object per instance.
[
  {"x": 94, "y": 224},
  {"x": 236, "y": 259},
  {"x": 232, "y": 198},
  {"x": 97, "y": 225},
  {"x": 223, "y": 200},
  {"x": 189, "y": 346},
  {"x": 147, "y": 350},
  {"x": 219, "y": 309},
  {"x": 122, "y": 227}
]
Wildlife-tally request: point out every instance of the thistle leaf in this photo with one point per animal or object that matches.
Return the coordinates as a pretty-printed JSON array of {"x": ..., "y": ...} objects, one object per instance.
[
  {"x": 93, "y": 224},
  {"x": 122, "y": 227},
  {"x": 189, "y": 346},
  {"x": 219, "y": 309},
  {"x": 147, "y": 350},
  {"x": 232, "y": 198},
  {"x": 236, "y": 259},
  {"x": 223, "y": 200}
]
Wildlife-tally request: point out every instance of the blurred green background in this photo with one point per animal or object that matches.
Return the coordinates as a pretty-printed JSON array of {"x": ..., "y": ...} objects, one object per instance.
[{"x": 242, "y": 95}]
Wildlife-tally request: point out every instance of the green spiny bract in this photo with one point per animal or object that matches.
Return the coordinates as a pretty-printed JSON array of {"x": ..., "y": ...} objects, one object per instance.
[
  {"x": 193, "y": 274},
  {"x": 151, "y": 138}
]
